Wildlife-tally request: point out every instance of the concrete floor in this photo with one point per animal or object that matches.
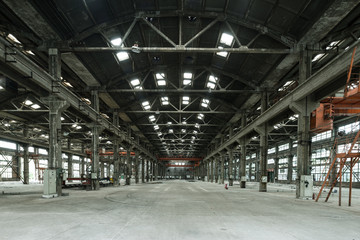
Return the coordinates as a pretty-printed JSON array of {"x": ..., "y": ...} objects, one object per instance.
[{"x": 174, "y": 210}]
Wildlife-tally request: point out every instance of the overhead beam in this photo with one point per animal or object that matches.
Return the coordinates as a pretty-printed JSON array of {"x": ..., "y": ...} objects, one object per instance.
[
  {"x": 28, "y": 69},
  {"x": 324, "y": 76},
  {"x": 181, "y": 112},
  {"x": 180, "y": 90},
  {"x": 181, "y": 49}
]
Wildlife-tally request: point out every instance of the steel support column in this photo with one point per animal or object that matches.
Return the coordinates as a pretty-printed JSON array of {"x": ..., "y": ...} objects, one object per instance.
[
  {"x": 26, "y": 163},
  {"x": 242, "y": 170},
  {"x": 142, "y": 169},
  {"x": 222, "y": 169}
]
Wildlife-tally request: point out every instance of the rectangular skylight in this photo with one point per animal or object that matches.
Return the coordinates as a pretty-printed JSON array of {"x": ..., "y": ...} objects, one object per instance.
[
  {"x": 1, "y": 88},
  {"x": 205, "y": 103},
  {"x": 146, "y": 105},
  {"x": 161, "y": 83},
  {"x": 317, "y": 57},
  {"x": 187, "y": 82},
  {"x": 135, "y": 82},
  {"x": 226, "y": 39},
  {"x": 35, "y": 106},
  {"x": 156, "y": 127},
  {"x": 183, "y": 130},
  {"x": 169, "y": 123},
  {"x": 222, "y": 54},
  {"x": 211, "y": 85},
  {"x": 200, "y": 116},
  {"x": 160, "y": 76},
  {"x": 164, "y": 101},
  {"x": 197, "y": 125},
  {"x": 171, "y": 130},
  {"x": 13, "y": 38},
  {"x": 122, "y": 56},
  {"x": 28, "y": 102},
  {"x": 188, "y": 75},
  {"x": 185, "y": 100},
  {"x": 116, "y": 42}
]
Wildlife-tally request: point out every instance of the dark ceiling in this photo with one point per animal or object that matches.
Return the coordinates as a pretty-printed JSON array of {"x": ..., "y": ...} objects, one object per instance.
[{"x": 174, "y": 37}]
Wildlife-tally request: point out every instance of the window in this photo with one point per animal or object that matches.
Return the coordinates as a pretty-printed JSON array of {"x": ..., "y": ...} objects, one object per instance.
[
  {"x": 352, "y": 127},
  {"x": 321, "y": 136},
  {"x": 284, "y": 147},
  {"x": 271, "y": 161},
  {"x": 271, "y": 150},
  {"x": 8, "y": 145}
]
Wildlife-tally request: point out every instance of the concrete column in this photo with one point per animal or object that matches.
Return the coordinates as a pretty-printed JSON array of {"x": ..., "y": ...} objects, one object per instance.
[
  {"x": 108, "y": 173},
  {"x": 212, "y": 169},
  {"x": 26, "y": 163},
  {"x": 217, "y": 160},
  {"x": 156, "y": 170},
  {"x": 136, "y": 167},
  {"x": 263, "y": 131},
  {"x": 147, "y": 171},
  {"x": 95, "y": 168},
  {"x": 222, "y": 167},
  {"x": 151, "y": 170},
  {"x": 82, "y": 162},
  {"x": 143, "y": 170},
  {"x": 102, "y": 170},
  {"x": 276, "y": 164},
  {"x": 70, "y": 166},
  {"x": 290, "y": 162},
  {"x": 242, "y": 167},
  {"x": 56, "y": 107},
  {"x": 116, "y": 161},
  {"x": 128, "y": 167},
  {"x": 208, "y": 169},
  {"x": 230, "y": 167}
]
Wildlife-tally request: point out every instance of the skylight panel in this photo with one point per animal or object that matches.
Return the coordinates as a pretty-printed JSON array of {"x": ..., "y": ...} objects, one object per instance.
[
  {"x": 197, "y": 125},
  {"x": 156, "y": 127},
  {"x": 146, "y": 105},
  {"x": 185, "y": 100},
  {"x": 211, "y": 85},
  {"x": 171, "y": 130},
  {"x": 183, "y": 130},
  {"x": 2, "y": 88},
  {"x": 13, "y": 38},
  {"x": 165, "y": 101},
  {"x": 122, "y": 56},
  {"x": 35, "y": 106},
  {"x": 116, "y": 42},
  {"x": 188, "y": 75},
  {"x": 152, "y": 118},
  {"x": 200, "y": 116},
  {"x": 28, "y": 102},
  {"x": 160, "y": 76},
  {"x": 205, "y": 102},
  {"x": 318, "y": 57},
  {"x": 159, "y": 134},
  {"x": 223, "y": 53},
  {"x": 161, "y": 83},
  {"x": 226, "y": 39},
  {"x": 135, "y": 82},
  {"x": 160, "y": 79},
  {"x": 187, "y": 82}
]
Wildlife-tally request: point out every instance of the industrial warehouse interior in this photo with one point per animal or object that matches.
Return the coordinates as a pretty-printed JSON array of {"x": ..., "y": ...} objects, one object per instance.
[{"x": 179, "y": 119}]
